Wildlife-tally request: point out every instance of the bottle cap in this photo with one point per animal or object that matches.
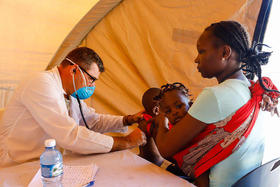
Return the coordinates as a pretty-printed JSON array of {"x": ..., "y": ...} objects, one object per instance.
[{"x": 50, "y": 143}]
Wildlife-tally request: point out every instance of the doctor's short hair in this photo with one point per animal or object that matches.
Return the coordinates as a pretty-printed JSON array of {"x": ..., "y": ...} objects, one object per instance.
[{"x": 84, "y": 57}]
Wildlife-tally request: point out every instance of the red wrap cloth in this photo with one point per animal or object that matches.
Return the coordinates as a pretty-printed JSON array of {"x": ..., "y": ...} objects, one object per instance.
[{"x": 219, "y": 152}]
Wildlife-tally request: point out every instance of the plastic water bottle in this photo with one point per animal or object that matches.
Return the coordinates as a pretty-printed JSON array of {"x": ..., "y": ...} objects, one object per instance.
[{"x": 51, "y": 165}]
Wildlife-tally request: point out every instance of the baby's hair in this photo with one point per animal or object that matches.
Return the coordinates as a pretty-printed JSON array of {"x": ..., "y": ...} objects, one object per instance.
[{"x": 174, "y": 86}]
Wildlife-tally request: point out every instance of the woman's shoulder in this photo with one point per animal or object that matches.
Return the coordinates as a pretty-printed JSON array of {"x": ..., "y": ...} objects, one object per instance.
[
  {"x": 234, "y": 84},
  {"x": 231, "y": 88},
  {"x": 217, "y": 102}
]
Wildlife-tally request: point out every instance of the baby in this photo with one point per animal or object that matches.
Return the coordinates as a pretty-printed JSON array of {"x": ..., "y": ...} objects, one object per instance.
[
  {"x": 150, "y": 104},
  {"x": 173, "y": 101}
]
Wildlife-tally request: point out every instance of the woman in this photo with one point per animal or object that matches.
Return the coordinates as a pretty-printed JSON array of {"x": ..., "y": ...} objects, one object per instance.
[{"x": 220, "y": 138}]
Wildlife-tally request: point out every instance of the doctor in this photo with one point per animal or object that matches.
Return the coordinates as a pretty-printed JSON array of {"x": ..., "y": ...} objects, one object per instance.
[{"x": 46, "y": 105}]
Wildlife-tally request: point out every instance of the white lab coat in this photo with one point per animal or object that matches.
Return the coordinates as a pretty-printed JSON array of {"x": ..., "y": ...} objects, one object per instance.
[{"x": 37, "y": 111}]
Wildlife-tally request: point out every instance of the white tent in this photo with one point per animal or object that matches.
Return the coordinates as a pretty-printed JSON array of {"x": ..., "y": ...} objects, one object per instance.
[{"x": 143, "y": 43}]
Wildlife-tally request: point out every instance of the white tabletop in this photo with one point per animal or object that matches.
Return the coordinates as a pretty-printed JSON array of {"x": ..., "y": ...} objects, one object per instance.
[{"x": 122, "y": 168}]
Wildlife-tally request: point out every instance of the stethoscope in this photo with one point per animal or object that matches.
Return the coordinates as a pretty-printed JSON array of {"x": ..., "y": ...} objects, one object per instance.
[
  {"x": 82, "y": 114},
  {"x": 80, "y": 106},
  {"x": 78, "y": 99}
]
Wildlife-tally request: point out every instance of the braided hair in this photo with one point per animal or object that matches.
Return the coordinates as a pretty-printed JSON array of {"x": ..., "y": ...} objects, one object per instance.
[
  {"x": 169, "y": 87},
  {"x": 252, "y": 58}
]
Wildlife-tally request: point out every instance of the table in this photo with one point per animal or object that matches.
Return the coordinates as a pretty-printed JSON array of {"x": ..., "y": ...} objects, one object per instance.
[{"x": 121, "y": 168}]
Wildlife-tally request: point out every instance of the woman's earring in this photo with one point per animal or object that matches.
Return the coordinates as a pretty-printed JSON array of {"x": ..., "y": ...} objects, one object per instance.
[{"x": 223, "y": 59}]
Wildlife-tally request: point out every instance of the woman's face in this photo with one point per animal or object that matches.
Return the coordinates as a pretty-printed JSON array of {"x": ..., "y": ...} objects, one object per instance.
[
  {"x": 175, "y": 105},
  {"x": 209, "y": 59}
]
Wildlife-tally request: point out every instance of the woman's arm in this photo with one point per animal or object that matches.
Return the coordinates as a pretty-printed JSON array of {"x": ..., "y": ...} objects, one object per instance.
[
  {"x": 172, "y": 141},
  {"x": 205, "y": 110}
]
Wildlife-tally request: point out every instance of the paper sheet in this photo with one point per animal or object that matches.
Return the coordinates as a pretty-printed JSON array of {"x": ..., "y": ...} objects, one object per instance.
[{"x": 74, "y": 176}]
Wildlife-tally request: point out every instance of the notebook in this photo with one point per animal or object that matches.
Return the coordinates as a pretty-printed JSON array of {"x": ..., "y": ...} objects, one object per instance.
[{"x": 73, "y": 176}]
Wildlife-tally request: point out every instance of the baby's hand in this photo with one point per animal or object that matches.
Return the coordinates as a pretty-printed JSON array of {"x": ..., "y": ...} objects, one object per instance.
[{"x": 160, "y": 122}]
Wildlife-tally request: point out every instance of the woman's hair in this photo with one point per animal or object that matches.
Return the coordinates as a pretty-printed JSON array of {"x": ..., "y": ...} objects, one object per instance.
[
  {"x": 169, "y": 87},
  {"x": 234, "y": 34}
]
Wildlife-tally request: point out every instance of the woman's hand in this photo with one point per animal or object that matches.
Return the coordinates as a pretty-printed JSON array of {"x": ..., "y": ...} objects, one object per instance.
[{"x": 170, "y": 142}]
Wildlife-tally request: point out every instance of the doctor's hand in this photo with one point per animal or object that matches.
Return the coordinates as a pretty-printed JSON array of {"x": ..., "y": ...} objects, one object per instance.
[
  {"x": 134, "y": 139},
  {"x": 131, "y": 119},
  {"x": 137, "y": 138}
]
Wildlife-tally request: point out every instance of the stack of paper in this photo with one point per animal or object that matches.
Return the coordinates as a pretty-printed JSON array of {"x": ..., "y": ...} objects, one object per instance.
[{"x": 74, "y": 176}]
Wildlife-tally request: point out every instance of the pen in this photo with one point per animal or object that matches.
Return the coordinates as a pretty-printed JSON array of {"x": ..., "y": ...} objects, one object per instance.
[{"x": 91, "y": 183}]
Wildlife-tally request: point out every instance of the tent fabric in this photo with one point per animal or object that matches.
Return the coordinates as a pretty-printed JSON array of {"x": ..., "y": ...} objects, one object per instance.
[
  {"x": 150, "y": 43},
  {"x": 79, "y": 32},
  {"x": 31, "y": 32},
  {"x": 143, "y": 43}
]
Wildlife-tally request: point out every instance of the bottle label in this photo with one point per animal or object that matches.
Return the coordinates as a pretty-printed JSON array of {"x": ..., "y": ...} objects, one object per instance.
[{"x": 49, "y": 171}]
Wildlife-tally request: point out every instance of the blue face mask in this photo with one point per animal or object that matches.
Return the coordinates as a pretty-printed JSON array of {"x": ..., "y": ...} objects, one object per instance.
[{"x": 84, "y": 92}]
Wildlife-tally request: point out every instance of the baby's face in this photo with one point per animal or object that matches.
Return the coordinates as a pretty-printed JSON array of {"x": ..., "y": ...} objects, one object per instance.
[{"x": 175, "y": 105}]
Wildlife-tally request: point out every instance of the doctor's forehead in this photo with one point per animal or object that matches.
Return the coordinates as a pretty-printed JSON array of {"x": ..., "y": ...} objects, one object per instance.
[{"x": 94, "y": 70}]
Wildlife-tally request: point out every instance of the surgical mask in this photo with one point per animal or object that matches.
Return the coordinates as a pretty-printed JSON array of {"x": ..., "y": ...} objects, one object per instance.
[{"x": 84, "y": 92}]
